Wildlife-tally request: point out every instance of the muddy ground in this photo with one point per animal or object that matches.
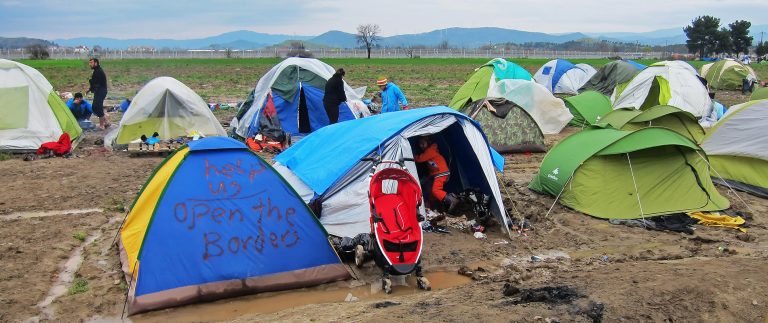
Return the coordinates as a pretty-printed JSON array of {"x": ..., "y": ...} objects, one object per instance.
[{"x": 590, "y": 270}]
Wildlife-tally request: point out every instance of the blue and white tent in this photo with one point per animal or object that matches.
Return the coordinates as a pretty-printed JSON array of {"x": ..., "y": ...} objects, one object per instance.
[
  {"x": 295, "y": 87},
  {"x": 562, "y": 76},
  {"x": 326, "y": 169}
]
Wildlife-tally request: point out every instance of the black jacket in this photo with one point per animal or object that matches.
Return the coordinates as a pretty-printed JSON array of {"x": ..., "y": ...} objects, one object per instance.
[
  {"x": 334, "y": 91},
  {"x": 98, "y": 80}
]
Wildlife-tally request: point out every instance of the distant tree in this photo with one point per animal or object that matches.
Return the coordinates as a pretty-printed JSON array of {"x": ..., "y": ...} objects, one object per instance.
[
  {"x": 740, "y": 36},
  {"x": 297, "y": 49},
  {"x": 761, "y": 49},
  {"x": 368, "y": 36},
  {"x": 37, "y": 51},
  {"x": 724, "y": 41},
  {"x": 702, "y": 33},
  {"x": 444, "y": 45}
]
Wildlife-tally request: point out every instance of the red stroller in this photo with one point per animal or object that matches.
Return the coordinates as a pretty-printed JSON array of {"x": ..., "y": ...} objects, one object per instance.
[{"x": 394, "y": 197}]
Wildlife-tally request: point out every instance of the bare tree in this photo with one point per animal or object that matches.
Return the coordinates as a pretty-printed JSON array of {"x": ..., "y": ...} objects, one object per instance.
[
  {"x": 368, "y": 36},
  {"x": 38, "y": 51}
]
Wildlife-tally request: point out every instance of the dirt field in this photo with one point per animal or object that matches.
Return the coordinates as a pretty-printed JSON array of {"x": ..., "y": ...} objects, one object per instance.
[
  {"x": 58, "y": 219},
  {"x": 56, "y": 208}
]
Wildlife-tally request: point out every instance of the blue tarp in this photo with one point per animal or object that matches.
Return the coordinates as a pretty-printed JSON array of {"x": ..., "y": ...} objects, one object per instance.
[
  {"x": 323, "y": 157},
  {"x": 636, "y": 64},
  {"x": 226, "y": 215}
]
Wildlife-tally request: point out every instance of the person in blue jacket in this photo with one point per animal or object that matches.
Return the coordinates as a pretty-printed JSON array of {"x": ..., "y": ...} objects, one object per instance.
[
  {"x": 392, "y": 98},
  {"x": 80, "y": 108}
]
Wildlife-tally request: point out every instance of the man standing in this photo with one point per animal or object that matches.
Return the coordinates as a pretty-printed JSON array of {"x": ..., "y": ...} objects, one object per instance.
[
  {"x": 334, "y": 95},
  {"x": 98, "y": 86},
  {"x": 80, "y": 108},
  {"x": 391, "y": 96}
]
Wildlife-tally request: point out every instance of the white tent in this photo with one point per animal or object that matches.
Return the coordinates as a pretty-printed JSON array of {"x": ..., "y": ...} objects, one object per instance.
[
  {"x": 290, "y": 71},
  {"x": 674, "y": 83},
  {"x": 30, "y": 111},
  {"x": 325, "y": 169},
  {"x": 168, "y": 107},
  {"x": 549, "y": 112},
  {"x": 562, "y": 76}
]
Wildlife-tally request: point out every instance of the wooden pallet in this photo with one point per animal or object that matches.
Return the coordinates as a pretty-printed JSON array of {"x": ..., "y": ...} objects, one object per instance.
[{"x": 164, "y": 149}]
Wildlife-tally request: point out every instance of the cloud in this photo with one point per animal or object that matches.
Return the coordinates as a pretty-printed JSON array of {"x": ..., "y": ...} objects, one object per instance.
[{"x": 52, "y": 19}]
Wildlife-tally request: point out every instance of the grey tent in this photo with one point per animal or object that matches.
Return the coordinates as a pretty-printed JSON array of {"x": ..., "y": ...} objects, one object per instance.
[{"x": 611, "y": 74}]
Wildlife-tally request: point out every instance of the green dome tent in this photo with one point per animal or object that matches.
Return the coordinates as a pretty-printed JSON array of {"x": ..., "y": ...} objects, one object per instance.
[
  {"x": 726, "y": 74},
  {"x": 759, "y": 94},
  {"x": 610, "y": 75},
  {"x": 667, "y": 116},
  {"x": 476, "y": 88},
  {"x": 587, "y": 108},
  {"x": 738, "y": 150},
  {"x": 509, "y": 127},
  {"x": 615, "y": 174}
]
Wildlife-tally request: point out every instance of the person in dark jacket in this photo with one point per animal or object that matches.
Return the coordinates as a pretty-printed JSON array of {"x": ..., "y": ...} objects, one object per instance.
[
  {"x": 334, "y": 95},
  {"x": 98, "y": 86}
]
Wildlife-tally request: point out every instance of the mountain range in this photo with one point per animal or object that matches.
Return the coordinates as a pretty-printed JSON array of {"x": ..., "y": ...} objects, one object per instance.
[{"x": 455, "y": 37}]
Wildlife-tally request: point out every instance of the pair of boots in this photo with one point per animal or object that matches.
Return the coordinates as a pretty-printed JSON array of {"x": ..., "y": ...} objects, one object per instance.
[{"x": 450, "y": 201}]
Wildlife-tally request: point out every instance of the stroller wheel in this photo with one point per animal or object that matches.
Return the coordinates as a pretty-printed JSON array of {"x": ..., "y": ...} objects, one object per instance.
[
  {"x": 423, "y": 283},
  {"x": 359, "y": 255},
  {"x": 386, "y": 285}
]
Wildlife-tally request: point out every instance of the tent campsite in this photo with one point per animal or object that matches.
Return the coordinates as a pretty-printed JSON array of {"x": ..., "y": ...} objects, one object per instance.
[
  {"x": 31, "y": 113},
  {"x": 737, "y": 148},
  {"x": 682, "y": 122},
  {"x": 674, "y": 83},
  {"x": 587, "y": 108},
  {"x": 480, "y": 82},
  {"x": 615, "y": 174},
  {"x": 726, "y": 74},
  {"x": 331, "y": 175},
  {"x": 213, "y": 221},
  {"x": 562, "y": 76},
  {"x": 612, "y": 74},
  {"x": 289, "y": 98},
  {"x": 168, "y": 107}
]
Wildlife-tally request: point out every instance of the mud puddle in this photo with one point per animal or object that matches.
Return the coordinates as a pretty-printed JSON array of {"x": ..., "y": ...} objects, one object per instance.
[
  {"x": 266, "y": 303},
  {"x": 40, "y": 214}
]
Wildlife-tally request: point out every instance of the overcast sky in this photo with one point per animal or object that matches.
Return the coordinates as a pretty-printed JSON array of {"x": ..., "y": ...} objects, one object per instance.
[{"x": 51, "y": 19}]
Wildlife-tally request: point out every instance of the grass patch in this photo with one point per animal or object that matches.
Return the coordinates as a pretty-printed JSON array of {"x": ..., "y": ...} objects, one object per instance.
[
  {"x": 5, "y": 156},
  {"x": 79, "y": 286},
  {"x": 117, "y": 205},
  {"x": 80, "y": 235}
]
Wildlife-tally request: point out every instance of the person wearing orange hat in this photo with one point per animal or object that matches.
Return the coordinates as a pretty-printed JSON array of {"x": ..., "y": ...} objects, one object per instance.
[{"x": 392, "y": 98}]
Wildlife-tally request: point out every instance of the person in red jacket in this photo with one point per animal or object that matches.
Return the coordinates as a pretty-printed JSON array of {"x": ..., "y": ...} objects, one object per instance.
[{"x": 438, "y": 171}]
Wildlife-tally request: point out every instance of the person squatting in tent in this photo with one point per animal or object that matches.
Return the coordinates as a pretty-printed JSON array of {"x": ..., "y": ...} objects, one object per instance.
[
  {"x": 391, "y": 96},
  {"x": 334, "y": 95},
  {"x": 80, "y": 107},
  {"x": 439, "y": 173}
]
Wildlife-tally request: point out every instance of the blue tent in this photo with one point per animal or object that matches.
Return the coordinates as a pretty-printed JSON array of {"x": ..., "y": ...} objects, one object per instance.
[
  {"x": 326, "y": 167},
  {"x": 215, "y": 220},
  {"x": 289, "y": 97},
  {"x": 562, "y": 76}
]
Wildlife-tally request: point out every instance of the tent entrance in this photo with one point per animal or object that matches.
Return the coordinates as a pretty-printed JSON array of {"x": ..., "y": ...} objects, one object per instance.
[
  {"x": 304, "y": 125},
  {"x": 465, "y": 168}
]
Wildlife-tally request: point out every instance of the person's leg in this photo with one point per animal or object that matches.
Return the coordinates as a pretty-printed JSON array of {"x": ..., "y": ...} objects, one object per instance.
[
  {"x": 98, "y": 108},
  {"x": 450, "y": 200}
]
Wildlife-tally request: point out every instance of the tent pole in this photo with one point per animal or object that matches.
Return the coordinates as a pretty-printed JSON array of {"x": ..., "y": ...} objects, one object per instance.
[
  {"x": 509, "y": 232},
  {"x": 558, "y": 195},
  {"x": 726, "y": 183},
  {"x": 637, "y": 193}
]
